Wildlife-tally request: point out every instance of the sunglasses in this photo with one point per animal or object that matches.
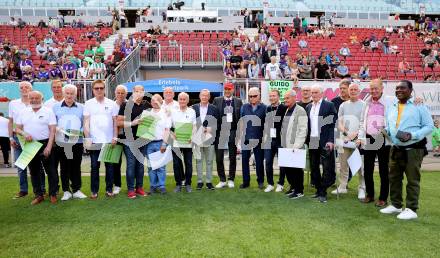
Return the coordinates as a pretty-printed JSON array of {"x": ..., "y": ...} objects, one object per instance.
[
  {"x": 253, "y": 96},
  {"x": 98, "y": 88}
]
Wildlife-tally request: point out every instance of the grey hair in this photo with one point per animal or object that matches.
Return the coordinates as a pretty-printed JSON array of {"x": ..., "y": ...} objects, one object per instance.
[
  {"x": 255, "y": 89},
  {"x": 70, "y": 87},
  {"x": 291, "y": 93},
  {"x": 205, "y": 90},
  {"x": 317, "y": 86},
  {"x": 120, "y": 86},
  {"x": 36, "y": 92},
  {"x": 183, "y": 94},
  {"x": 25, "y": 83}
]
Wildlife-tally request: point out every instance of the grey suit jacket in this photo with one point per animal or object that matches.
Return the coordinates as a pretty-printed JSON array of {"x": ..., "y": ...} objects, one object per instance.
[{"x": 294, "y": 136}]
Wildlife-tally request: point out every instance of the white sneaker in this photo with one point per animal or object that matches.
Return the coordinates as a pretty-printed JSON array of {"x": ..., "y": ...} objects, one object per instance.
[
  {"x": 116, "y": 190},
  {"x": 390, "y": 210},
  {"x": 279, "y": 189},
  {"x": 79, "y": 195},
  {"x": 220, "y": 185},
  {"x": 269, "y": 188},
  {"x": 361, "y": 194},
  {"x": 67, "y": 196},
  {"x": 407, "y": 214},
  {"x": 339, "y": 191},
  {"x": 231, "y": 184}
]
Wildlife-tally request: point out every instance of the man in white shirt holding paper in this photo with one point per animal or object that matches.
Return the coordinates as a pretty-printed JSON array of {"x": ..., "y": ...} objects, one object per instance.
[
  {"x": 100, "y": 127},
  {"x": 349, "y": 117},
  {"x": 293, "y": 136},
  {"x": 169, "y": 104}
]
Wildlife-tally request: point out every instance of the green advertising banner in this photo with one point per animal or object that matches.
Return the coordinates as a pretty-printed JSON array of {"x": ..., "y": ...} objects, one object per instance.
[{"x": 281, "y": 86}]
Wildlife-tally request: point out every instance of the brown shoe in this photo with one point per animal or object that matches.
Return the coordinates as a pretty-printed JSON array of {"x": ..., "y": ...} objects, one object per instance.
[
  {"x": 94, "y": 196},
  {"x": 20, "y": 195},
  {"x": 381, "y": 203},
  {"x": 368, "y": 200},
  {"x": 53, "y": 199},
  {"x": 37, "y": 200}
]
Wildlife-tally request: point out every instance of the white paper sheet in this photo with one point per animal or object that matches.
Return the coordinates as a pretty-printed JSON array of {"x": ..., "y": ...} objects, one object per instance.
[
  {"x": 355, "y": 162},
  {"x": 292, "y": 159},
  {"x": 158, "y": 159}
]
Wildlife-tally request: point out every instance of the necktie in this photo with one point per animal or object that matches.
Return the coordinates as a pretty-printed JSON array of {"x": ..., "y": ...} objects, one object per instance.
[{"x": 228, "y": 102}]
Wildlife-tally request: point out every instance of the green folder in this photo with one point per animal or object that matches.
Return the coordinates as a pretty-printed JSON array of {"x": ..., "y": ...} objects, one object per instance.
[
  {"x": 146, "y": 127},
  {"x": 183, "y": 132},
  {"x": 29, "y": 150},
  {"x": 110, "y": 153}
]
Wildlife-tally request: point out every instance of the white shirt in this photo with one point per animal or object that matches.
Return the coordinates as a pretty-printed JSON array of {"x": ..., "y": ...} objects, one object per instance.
[
  {"x": 4, "y": 127},
  {"x": 273, "y": 70},
  {"x": 83, "y": 73},
  {"x": 163, "y": 122},
  {"x": 15, "y": 107},
  {"x": 37, "y": 123},
  {"x": 187, "y": 116},
  {"x": 171, "y": 107},
  {"x": 51, "y": 102},
  {"x": 203, "y": 112},
  {"x": 101, "y": 119},
  {"x": 314, "y": 119}
]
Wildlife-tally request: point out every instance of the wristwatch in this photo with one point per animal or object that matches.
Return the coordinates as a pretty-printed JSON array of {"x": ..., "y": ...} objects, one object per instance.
[{"x": 345, "y": 133}]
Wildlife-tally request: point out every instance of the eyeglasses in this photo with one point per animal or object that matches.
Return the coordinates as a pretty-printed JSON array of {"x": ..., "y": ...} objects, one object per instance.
[
  {"x": 253, "y": 96},
  {"x": 98, "y": 88}
]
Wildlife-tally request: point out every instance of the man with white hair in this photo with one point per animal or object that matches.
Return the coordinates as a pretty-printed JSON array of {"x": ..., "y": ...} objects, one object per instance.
[
  {"x": 253, "y": 115},
  {"x": 169, "y": 104},
  {"x": 15, "y": 107},
  {"x": 322, "y": 118},
  {"x": 38, "y": 123},
  {"x": 100, "y": 128},
  {"x": 349, "y": 117},
  {"x": 120, "y": 99},
  {"x": 69, "y": 142},
  {"x": 183, "y": 170}
]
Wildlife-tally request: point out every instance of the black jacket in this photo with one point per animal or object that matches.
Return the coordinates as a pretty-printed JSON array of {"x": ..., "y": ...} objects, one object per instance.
[{"x": 326, "y": 123}]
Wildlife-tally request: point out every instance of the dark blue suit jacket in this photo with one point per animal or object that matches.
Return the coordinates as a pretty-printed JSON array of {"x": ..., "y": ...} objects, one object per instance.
[{"x": 327, "y": 112}]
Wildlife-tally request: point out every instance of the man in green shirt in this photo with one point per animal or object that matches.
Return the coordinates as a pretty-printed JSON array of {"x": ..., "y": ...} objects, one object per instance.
[{"x": 99, "y": 51}]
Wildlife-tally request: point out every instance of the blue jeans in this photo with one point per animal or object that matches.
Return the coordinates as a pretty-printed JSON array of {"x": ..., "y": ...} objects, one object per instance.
[
  {"x": 94, "y": 173},
  {"x": 259, "y": 162},
  {"x": 157, "y": 176},
  {"x": 22, "y": 174},
  {"x": 135, "y": 169}
]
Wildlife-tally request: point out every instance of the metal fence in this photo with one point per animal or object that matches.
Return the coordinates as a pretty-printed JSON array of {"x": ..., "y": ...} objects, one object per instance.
[
  {"x": 124, "y": 72},
  {"x": 197, "y": 55}
]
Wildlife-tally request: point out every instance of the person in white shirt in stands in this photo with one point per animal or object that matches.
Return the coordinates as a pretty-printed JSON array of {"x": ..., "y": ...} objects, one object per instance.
[
  {"x": 84, "y": 71},
  {"x": 120, "y": 99},
  {"x": 169, "y": 104},
  {"x": 99, "y": 128},
  {"x": 69, "y": 142},
  {"x": 183, "y": 151},
  {"x": 97, "y": 69},
  {"x": 349, "y": 117},
  {"x": 158, "y": 143},
  {"x": 273, "y": 71},
  {"x": 38, "y": 123},
  {"x": 15, "y": 107},
  {"x": 57, "y": 92}
]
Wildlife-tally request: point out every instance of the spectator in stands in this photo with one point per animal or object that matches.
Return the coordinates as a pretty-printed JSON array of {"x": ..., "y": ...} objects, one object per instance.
[
  {"x": 401, "y": 32},
  {"x": 345, "y": 51},
  {"x": 394, "y": 49},
  {"x": 228, "y": 71},
  {"x": 24, "y": 61},
  {"x": 41, "y": 50},
  {"x": 3, "y": 52},
  {"x": 322, "y": 70},
  {"x": 281, "y": 30},
  {"x": 241, "y": 72},
  {"x": 273, "y": 71},
  {"x": 284, "y": 46},
  {"x": 88, "y": 52},
  {"x": 304, "y": 24},
  {"x": 364, "y": 72},
  {"x": 41, "y": 24},
  {"x": 291, "y": 72},
  {"x": 236, "y": 59},
  {"x": 386, "y": 45},
  {"x": 69, "y": 70},
  {"x": 342, "y": 70},
  {"x": 84, "y": 71},
  {"x": 353, "y": 38},
  {"x": 51, "y": 57},
  {"x": 13, "y": 72},
  {"x": 54, "y": 71},
  {"x": 374, "y": 45},
  {"x": 3, "y": 63},
  {"x": 297, "y": 24},
  {"x": 305, "y": 70},
  {"x": 98, "y": 69},
  {"x": 27, "y": 74},
  {"x": 13, "y": 22},
  {"x": 99, "y": 51},
  {"x": 3, "y": 75},
  {"x": 302, "y": 43},
  {"x": 365, "y": 44},
  {"x": 271, "y": 45},
  {"x": 236, "y": 41},
  {"x": 20, "y": 23},
  {"x": 332, "y": 60},
  {"x": 405, "y": 67},
  {"x": 48, "y": 40},
  {"x": 426, "y": 51},
  {"x": 253, "y": 69},
  {"x": 389, "y": 30},
  {"x": 42, "y": 74},
  {"x": 430, "y": 61}
]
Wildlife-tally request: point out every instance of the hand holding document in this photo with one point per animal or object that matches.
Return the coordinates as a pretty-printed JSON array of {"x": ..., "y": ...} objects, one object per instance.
[
  {"x": 109, "y": 153},
  {"x": 355, "y": 162},
  {"x": 29, "y": 150},
  {"x": 292, "y": 158},
  {"x": 146, "y": 127},
  {"x": 158, "y": 159},
  {"x": 183, "y": 132}
]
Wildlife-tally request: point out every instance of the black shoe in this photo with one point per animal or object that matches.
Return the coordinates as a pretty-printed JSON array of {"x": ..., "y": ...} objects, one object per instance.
[
  {"x": 315, "y": 196},
  {"x": 210, "y": 186},
  {"x": 296, "y": 195},
  {"x": 322, "y": 199},
  {"x": 289, "y": 192},
  {"x": 261, "y": 186},
  {"x": 199, "y": 186},
  {"x": 244, "y": 185}
]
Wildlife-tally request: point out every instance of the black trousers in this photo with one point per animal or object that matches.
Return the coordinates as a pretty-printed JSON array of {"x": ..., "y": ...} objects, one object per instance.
[
  {"x": 70, "y": 168},
  {"x": 38, "y": 166},
  {"x": 183, "y": 169},
  {"x": 117, "y": 173},
  {"x": 295, "y": 177},
  {"x": 325, "y": 158},
  {"x": 5, "y": 144},
  {"x": 219, "y": 156},
  {"x": 382, "y": 154}
]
